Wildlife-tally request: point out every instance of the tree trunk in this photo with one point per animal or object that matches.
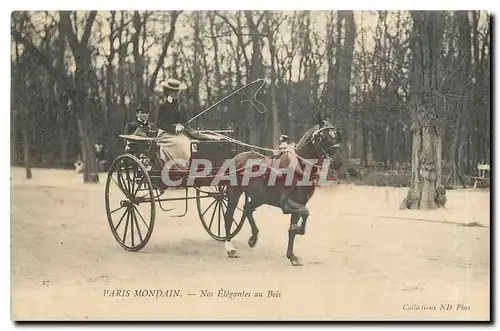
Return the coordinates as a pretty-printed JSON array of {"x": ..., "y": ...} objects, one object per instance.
[
  {"x": 428, "y": 168},
  {"x": 216, "y": 63},
  {"x": 346, "y": 64},
  {"x": 138, "y": 59},
  {"x": 464, "y": 52},
  {"x": 426, "y": 191},
  {"x": 27, "y": 146},
  {"x": 198, "y": 57},
  {"x": 82, "y": 104},
  {"x": 13, "y": 139},
  {"x": 364, "y": 143},
  {"x": 274, "y": 107},
  {"x": 91, "y": 171},
  {"x": 255, "y": 71},
  {"x": 63, "y": 146}
]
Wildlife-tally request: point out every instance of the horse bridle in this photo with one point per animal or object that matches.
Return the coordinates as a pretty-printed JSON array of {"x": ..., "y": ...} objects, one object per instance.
[
  {"x": 313, "y": 140},
  {"x": 322, "y": 151}
]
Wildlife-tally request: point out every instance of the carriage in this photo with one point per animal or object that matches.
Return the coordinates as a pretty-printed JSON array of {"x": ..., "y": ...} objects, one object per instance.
[
  {"x": 137, "y": 180},
  {"x": 135, "y": 189}
]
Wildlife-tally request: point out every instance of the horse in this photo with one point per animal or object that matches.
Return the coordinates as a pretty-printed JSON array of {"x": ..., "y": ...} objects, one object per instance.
[{"x": 321, "y": 142}]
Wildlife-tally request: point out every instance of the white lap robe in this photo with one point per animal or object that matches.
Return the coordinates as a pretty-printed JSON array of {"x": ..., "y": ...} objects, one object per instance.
[{"x": 175, "y": 146}]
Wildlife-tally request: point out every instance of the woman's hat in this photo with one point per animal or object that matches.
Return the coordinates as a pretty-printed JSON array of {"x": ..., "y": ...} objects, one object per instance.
[{"x": 173, "y": 84}]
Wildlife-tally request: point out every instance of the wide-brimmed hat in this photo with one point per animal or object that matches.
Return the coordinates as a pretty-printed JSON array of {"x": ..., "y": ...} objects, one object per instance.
[{"x": 172, "y": 84}]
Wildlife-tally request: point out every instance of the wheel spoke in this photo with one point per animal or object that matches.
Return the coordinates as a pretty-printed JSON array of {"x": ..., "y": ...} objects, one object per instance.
[
  {"x": 142, "y": 197},
  {"x": 139, "y": 185},
  {"x": 123, "y": 184},
  {"x": 117, "y": 209},
  {"x": 144, "y": 207},
  {"x": 132, "y": 181},
  {"x": 218, "y": 225},
  {"x": 121, "y": 219},
  {"x": 222, "y": 189},
  {"x": 129, "y": 181},
  {"x": 132, "y": 226},
  {"x": 127, "y": 176},
  {"x": 126, "y": 228},
  {"x": 138, "y": 212},
  {"x": 239, "y": 209},
  {"x": 137, "y": 226},
  {"x": 209, "y": 207},
  {"x": 213, "y": 214},
  {"x": 119, "y": 185},
  {"x": 226, "y": 205}
]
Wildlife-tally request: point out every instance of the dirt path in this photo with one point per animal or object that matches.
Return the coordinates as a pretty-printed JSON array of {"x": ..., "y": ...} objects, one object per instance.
[{"x": 359, "y": 263}]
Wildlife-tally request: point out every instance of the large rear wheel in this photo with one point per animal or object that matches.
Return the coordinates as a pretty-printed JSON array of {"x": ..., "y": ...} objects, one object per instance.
[{"x": 130, "y": 204}]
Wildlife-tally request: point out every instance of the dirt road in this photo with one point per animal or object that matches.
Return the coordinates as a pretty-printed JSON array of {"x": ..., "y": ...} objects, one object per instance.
[{"x": 364, "y": 259}]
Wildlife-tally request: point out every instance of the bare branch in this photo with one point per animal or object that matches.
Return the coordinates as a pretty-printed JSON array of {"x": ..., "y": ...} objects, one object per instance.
[
  {"x": 88, "y": 27},
  {"x": 42, "y": 60},
  {"x": 173, "y": 19}
]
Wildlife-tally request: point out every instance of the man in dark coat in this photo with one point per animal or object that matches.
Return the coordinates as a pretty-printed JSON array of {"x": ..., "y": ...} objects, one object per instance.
[{"x": 140, "y": 124}]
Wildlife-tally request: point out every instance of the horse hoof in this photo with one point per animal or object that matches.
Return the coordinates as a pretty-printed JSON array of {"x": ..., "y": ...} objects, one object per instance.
[
  {"x": 232, "y": 254},
  {"x": 252, "y": 241},
  {"x": 296, "y": 262}
]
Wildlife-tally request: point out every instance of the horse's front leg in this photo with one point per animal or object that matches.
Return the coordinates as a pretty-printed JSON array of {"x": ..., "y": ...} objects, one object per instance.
[
  {"x": 233, "y": 196},
  {"x": 292, "y": 232},
  {"x": 248, "y": 210}
]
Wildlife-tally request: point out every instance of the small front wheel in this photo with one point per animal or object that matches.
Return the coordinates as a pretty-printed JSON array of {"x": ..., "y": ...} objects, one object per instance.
[{"x": 212, "y": 203}]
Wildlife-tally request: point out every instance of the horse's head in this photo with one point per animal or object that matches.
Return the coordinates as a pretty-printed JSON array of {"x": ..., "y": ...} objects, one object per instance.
[{"x": 327, "y": 140}]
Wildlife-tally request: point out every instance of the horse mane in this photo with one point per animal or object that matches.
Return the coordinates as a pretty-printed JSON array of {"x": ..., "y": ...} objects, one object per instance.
[{"x": 306, "y": 137}]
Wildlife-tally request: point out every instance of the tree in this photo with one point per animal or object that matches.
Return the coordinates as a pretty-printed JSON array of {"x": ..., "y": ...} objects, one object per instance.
[
  {"x": 80, "y": 93},
  {"x": 271, "y": 26},
  {"x": 426, "y": 191}
]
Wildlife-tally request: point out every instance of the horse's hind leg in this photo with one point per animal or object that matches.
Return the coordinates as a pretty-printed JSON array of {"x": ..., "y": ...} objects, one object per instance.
[
  {"x": 248, "y": 210},
  {"x": 297, "y": 211},
  {"x": 291, "y": 207},
  {"x": 233, "y": 196}
]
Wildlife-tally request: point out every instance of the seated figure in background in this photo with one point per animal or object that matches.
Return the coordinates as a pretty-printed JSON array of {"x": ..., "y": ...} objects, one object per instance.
[{"x": 140, "y": 127}]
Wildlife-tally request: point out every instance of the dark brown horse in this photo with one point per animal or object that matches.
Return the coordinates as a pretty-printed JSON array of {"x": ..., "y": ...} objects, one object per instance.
[{"x": 320, "y": 143}]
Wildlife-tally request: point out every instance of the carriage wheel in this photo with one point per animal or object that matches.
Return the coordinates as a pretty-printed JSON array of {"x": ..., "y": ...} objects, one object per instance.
[
  {"x": 212, "y": 204},
  {"x": 130, "y": 205}
]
